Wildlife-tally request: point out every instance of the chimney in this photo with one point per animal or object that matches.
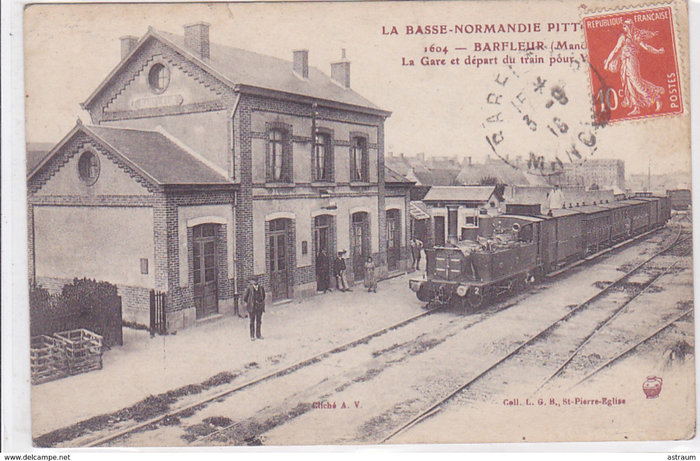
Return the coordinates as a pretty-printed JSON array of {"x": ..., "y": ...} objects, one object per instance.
[
  {"x": 469, "y": 160},
  {"x": 301, "y": 63},
  {"x": 128, "y": 44},
  {"x": 197, "y": 39},
  {"x": 340, "y": 71}
]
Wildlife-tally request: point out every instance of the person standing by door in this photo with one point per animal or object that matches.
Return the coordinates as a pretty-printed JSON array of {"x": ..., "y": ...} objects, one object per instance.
[
  {"x": 323, "y": 272},
  {"x": 339, "y": 268},
  {"x": 370, "y": 275},
  {"x": 254, "y": 298},
  {"x": 416, "y": 248}
]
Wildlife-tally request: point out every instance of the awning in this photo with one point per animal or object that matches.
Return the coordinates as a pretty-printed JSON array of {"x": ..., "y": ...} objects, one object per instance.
[{"x": 418, "y": 210}]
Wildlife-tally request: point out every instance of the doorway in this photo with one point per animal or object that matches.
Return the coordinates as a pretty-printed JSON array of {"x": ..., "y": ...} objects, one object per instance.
[
  {"x": 360, "y": 244},
  {"x": 324, "y": 239},
  {"x": 204, "y": 267},
  {"x": 278, "y": 240}
]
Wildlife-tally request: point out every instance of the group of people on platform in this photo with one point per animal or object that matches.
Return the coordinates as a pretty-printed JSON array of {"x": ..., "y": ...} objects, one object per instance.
[
  {"x": 323, "y": 273},
  {"x": 254, "y": 296}
]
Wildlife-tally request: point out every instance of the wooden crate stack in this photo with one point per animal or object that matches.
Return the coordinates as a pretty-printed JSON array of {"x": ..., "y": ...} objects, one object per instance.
[
  {"x": 48, "y": 359},
  {"x": 83, "y": 350}
]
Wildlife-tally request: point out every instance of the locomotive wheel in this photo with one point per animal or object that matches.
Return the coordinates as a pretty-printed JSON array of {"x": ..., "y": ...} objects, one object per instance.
[
  {"x": 424, "y": 294},
  {"x": 475, "y": 297}
]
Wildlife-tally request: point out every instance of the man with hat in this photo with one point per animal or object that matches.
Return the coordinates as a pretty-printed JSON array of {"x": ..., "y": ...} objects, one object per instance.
[
  {"x": 339, "y": 268},
  {"x": 254, "y": 299}
]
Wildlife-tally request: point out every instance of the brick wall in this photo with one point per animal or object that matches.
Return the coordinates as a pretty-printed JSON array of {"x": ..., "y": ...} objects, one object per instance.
[
  {"x": 244, "y": 136},
  {"x": 381, "y": 260},
  {"x": 182, "y": 298}
]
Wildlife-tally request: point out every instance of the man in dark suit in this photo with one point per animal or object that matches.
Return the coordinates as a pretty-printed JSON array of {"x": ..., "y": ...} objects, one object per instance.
[
  {"x": 323, "y": 272},
  {"x": 339, "y": 269},
  {"x": 254, "y": 299}
]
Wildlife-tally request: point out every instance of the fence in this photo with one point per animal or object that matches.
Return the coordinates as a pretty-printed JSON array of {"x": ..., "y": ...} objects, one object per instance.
[{"x": 157, "y": 311}]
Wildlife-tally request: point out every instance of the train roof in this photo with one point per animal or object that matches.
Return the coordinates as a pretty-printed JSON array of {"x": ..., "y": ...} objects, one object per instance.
[
  {"x": 559, "y": 212},
  {"x": 590, "y": 209},
  {"x": 617, "y": 204},
  {"x": 523, "y": 217}
]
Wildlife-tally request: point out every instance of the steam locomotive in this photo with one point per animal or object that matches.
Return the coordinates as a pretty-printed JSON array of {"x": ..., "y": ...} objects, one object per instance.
[{"x": 507, "y": 253}]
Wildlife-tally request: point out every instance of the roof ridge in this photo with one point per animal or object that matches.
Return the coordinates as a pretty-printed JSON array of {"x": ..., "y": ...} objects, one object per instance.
[{"x": 120, "y": 128}]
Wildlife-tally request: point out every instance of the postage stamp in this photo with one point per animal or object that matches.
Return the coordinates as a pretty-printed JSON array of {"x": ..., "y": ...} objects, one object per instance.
[{"x": 633, "y": 64}]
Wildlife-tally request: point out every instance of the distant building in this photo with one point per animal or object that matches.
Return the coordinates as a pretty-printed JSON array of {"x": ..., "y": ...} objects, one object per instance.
[
  {"x": 659, "y": 184},
  {"x": 433, "y": 171},
  {"x": 601, "y": 173},
  {"x": 454, "y": 209}
]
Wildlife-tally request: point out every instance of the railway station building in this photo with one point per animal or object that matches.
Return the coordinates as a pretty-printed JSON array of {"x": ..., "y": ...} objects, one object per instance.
[{"x": 204, "y": 165}]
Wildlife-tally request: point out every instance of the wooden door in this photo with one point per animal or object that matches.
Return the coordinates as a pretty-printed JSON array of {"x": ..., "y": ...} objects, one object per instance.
[
  {"x": 393, "y": 230},
  {"x": 204, "y": 270},
  {"x": 322, "y": 240},
  {"x": 279, "y": 261},
  {"x": 360, "y": 244},
  {"x": 322, "y": 234}
]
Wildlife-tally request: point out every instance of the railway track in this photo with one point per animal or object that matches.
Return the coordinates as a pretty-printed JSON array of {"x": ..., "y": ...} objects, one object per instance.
[
  {"x": 125, "y": 432},
  {"x": 440, "y": 403},
  {"x": 627, "y": 351},
  {"x": 605, "y": 323}
]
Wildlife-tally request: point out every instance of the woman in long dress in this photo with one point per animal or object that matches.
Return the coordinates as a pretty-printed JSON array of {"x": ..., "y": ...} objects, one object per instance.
[
  {"x": 638, "y": 93},
  {"x": 370, "y": 275}
]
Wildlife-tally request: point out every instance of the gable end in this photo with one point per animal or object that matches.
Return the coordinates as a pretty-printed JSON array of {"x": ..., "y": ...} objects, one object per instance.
[
  {"x": 150, "y": 50},
  {"x": 79, "y": 143}
]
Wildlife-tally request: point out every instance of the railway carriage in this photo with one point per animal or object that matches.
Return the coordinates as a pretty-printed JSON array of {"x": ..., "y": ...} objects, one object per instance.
[
  {"x": 638, "y": 214},
  {"x": 620, "y": 221},
  {"x": 664, "y": 209},
  {"x": 595, "y": 224},
  {"x": 680, "y": 199},
  {"x": 653, "y": 209},
  {"x": 567, "y": 244}
]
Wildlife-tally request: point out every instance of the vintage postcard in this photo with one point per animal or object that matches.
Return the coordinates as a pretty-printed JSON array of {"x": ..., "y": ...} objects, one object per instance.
[{"x": 340, "y": 223}]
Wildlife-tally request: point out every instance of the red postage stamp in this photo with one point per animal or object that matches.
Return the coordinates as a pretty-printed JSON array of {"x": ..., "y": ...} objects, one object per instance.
[{"x": 633, "y": 64}]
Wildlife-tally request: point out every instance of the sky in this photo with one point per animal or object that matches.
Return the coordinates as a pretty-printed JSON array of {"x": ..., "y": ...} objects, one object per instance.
[{"x": 438, "y": 110}]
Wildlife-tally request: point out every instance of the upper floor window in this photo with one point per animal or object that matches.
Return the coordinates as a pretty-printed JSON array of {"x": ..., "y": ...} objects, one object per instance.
[
  {"x": 359, "y": 161},
  {"x": 158, "y": 78},
  {"x": 278, "y": 165},
  {"x": 88, "y": 168},
  {"x": 323, "y": 159}
]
